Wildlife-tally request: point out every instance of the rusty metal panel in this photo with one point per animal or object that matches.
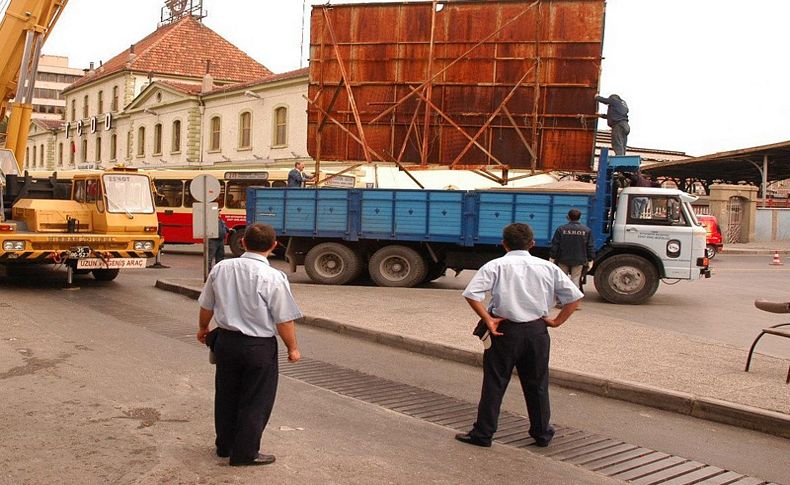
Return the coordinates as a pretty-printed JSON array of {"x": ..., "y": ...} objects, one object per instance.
[{"x": 500, "y": 83}]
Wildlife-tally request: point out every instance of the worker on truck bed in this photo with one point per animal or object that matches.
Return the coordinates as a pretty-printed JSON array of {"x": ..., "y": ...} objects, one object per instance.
[
  {"x": 297, "y": 177},
  {"x": 617, "y": 119}
]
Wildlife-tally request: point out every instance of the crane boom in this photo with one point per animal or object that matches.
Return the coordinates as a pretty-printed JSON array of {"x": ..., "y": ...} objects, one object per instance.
[{"x": 23, "y": 30}]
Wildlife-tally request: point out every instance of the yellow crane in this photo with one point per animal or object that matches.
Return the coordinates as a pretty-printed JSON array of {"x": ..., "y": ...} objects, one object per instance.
[
  {"x": 24, "y": 28},
  {"x": 107, "y": 221}
]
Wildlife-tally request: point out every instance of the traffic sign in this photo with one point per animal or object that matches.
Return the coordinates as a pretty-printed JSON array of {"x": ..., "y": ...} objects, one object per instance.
[{"x": 204, "y": 188}]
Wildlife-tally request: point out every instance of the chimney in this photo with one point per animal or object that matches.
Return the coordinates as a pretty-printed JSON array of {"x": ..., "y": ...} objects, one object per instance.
[
  {"x": 91, "y": 69},
  {"x": 208, "y": 79},
  {"x": 132, "y": 55}
]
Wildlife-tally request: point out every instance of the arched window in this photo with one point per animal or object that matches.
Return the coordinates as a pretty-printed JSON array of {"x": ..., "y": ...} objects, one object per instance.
[
  {"x": 72, "y": 149},
  {"x": 245, "y": 130},
  {"x": 60, "y": 154},
  {"x": 158, "y": 139},
  {"x": 100, "y": 103},
  {"x": 98, "y": 149},
  {"x": 129, "y": 144},
  {"x": 84, "y": 151},
  {"x": 27, "y": 156},
  {"x": 85, "y": 106},
  {"x": 114, "y": 103},
  {"x": 176, "y": 140},
  {"x": 73, "y": 110},
  {"x": 280, "y": 126},
  {"x": 216, "y": 126},
  {"x": 41, "y": 155},
  {"x": 141, "y": 142},
  {"x": 113, "y": 147},
  {"x": 34, "y": 156}
]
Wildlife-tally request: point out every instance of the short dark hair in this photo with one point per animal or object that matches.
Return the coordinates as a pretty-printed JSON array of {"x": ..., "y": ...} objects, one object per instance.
[
  {"x": 574, "y": 215},
  {"x": 518, "y": 236},
  {"x": 259, "y": 237}
]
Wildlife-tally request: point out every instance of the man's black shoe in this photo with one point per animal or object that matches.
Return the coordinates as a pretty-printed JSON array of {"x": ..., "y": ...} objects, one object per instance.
[
  {"x": 471, "y": 440},
  {"x": 223, "y": 453},
  {"x": 542, "y": 444},
  {"x": 259, "y": 460}
]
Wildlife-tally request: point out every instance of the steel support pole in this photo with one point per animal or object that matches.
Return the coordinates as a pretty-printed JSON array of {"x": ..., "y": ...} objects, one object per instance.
[{"x": 765, "y": 180}]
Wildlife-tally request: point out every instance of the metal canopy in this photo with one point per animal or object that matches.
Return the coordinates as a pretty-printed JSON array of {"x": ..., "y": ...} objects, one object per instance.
[{"x": 757, "y": 166}]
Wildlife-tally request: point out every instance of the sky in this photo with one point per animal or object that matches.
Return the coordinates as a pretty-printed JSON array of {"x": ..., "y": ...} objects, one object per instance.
[{"x": 699, "y": 76}]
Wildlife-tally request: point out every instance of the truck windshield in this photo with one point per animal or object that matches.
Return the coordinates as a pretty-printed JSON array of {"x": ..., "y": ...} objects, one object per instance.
[{"x": 128, "y": 194}]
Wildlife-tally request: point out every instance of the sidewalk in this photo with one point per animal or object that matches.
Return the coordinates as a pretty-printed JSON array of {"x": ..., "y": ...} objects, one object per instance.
[
  {"x": 604, "y": 356},
  {"x": 764, "y": 247}
]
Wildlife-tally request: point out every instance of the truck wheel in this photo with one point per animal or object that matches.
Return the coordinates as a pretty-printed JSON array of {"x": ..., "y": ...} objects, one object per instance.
[
  {"x": 626, "y": 278},
  {"x": 397, "y": 266},
  {"x": 234, "y": 241},
  {"x": 332, "y": 264},
  {"x": 105, "y": 274},
  {"x": 710, "y": 251},
  {"x": 435, "y": 271}
]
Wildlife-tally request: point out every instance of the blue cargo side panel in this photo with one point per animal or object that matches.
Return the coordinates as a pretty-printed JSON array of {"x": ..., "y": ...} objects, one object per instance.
[
  {"x": 411, "y": 214},
  {"x": 377, "y": 213},
  {"x": 300, "y": 210},
  {"x": 269, "y": 208},
  {"x": 333, "y": 211},
  {"x": 445, "y": 219}
]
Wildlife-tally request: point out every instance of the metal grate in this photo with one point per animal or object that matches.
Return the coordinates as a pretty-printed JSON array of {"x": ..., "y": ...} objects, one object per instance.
[{"x": 600, "y": 454}]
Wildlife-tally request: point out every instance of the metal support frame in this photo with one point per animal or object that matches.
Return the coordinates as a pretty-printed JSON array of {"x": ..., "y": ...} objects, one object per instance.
[{"x": 424, "y": 93}]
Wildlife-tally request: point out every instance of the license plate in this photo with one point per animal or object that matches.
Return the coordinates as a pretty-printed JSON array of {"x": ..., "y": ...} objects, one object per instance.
[
  {"x": 114, "y": 263},
  {"x": 79, "y": 252}
]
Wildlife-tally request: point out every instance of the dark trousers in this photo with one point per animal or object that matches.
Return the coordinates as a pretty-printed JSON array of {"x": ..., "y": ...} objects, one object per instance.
[
  {"x": 246, "y": 383},
  {"x": 216, "y": 251},
  {"x": 524, "y": 346},
  {"x": 620, "y": 133}
]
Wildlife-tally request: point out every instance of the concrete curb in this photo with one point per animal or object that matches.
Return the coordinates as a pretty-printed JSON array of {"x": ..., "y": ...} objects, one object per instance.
[
  {"x": 752, "y": 252},
  {"x": 710, "y": 409}
]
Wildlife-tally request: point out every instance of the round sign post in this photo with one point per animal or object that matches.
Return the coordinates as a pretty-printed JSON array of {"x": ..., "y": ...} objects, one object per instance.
[{"x": 204, "y": 189}]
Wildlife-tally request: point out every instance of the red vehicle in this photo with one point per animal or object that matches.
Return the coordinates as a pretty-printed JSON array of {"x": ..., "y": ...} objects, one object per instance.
[{"x": 714, "y": 241}]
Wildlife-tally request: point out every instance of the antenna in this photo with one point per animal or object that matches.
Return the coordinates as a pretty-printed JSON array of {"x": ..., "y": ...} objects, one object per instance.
[{"x": 175, "y": 10}]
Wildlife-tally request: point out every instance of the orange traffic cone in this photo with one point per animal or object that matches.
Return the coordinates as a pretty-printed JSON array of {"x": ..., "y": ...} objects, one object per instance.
[{"x": 777, "y": 261}]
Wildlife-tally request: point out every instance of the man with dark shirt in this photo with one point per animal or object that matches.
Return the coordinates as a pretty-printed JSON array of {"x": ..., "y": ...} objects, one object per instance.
[
  {"x": 572, "y": 247},
  {"x": 297, "y": 177},
  {"x": 617, "y": 119}
]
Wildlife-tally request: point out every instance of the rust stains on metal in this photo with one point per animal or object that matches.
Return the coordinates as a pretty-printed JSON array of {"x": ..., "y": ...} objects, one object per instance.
[{"x": 482, "y": 85}]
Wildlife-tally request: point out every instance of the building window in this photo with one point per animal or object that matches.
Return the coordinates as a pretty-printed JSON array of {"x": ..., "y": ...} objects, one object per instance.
[
  {"x": 73, "y": 110},
  {"x": 216, "y": 125},
  {"x": 280, "y": 126},
  {"x": 158, "y": 139},
  {"x": 72, "y": 149},
  {"x": 129, "y": 144},
  {"x": 100, "y": 102},
  {"x": 245, "y": 130},
  {"x": 176, "y": 141},
  {"x": 41, "y": 155},
  {"x": 114, "y": 105},
  {"x": 98, "y": 149},
  {"x": 84, "y": 151},
  {"x": 113, "y": 147},
  {"x": 85, "y": 106},
  {"x": 60, "y": 154},
  {"x": 141, "y": 141},
  {"x": 27, "y": 157}
]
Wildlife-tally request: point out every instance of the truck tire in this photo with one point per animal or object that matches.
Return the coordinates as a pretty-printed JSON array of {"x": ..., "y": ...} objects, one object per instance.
[
  {"x": 234, "y": 241},
  {"x": 710, "y": 251},
  {"x": 105, "y": 274},
  {"x": 332, "y": 264},
  {"x": 626, "y": 278},
  {"x": 397, "y": 266}
]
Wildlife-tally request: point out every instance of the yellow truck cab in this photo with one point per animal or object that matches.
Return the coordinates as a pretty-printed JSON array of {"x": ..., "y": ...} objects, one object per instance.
[{"x": 109, "y": 223}]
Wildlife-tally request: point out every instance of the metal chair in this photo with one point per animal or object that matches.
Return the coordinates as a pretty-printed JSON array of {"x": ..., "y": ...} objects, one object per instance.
[{"x": 773, "y": 307}]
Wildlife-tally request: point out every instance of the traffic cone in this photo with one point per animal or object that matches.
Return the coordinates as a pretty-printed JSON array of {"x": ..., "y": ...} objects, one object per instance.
[{"x": 777, "y": 261}]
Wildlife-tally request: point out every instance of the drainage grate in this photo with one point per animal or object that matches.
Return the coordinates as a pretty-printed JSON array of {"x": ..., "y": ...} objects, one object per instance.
[{"x": 600, "y": 454}]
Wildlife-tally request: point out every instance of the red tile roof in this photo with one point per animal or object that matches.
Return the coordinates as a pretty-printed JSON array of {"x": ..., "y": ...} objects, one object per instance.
[
  {"x": 49, "y": 124},
  {"x": 264, "y": 80},
  {"x": 181, "y": 49},
  {"x": 185, "y": 88}
]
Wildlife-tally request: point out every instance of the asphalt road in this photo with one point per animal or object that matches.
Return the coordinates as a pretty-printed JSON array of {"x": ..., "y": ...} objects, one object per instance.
[{"x": 131, "y": 305}]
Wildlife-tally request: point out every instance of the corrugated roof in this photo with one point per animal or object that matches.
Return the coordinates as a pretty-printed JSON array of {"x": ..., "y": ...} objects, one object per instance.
[{"x": 182, "y": 49}]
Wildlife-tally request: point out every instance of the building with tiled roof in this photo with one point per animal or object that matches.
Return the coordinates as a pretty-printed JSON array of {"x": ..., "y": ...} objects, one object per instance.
[{"x": 183, "y": 96}]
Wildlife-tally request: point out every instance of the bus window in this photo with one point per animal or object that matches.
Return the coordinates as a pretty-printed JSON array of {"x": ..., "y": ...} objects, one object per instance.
[
  {"x": 188, "y": 199},
  {"x": 221, "y": 198},
  {"x": 169, "y": 193},
  {"x": 237, "y": 193},
  {"x": 279, "y": 183}
]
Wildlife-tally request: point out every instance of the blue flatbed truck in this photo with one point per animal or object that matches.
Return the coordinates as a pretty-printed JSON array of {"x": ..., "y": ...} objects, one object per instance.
[{"x": 405, "y": 237}]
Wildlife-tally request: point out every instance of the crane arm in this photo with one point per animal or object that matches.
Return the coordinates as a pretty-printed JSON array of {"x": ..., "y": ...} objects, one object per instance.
[{"x": 23, "y": 30}]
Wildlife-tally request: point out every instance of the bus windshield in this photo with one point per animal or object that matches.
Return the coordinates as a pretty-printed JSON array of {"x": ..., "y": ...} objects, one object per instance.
[{"x": 128, "y": 194}]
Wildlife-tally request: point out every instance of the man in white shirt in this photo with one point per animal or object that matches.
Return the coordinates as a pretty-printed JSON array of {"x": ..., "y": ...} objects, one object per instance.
[
  {"x": 523, "y": 288},
  {"x": 250, "y": 302}
]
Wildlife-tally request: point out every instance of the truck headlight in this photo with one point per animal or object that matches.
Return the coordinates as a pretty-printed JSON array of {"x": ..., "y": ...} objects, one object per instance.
[
  {"x": 143, "y": 245},
  {"x": 13, "y": 245}
]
